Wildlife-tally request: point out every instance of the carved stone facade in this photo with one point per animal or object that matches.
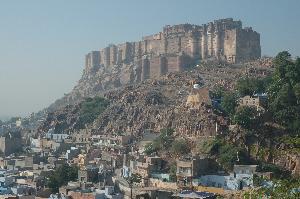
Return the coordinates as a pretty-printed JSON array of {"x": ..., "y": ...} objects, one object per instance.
[{"x": 179, "y": 46}]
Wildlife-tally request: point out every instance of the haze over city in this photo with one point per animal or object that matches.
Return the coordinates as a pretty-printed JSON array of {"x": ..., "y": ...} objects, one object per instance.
[
  {"x": 43, "y": 43},
  {"x": 161, "y": 99}
]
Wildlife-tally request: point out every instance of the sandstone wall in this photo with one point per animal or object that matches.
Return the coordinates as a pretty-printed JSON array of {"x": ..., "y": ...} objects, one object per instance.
[
  {"x": 105, "y": 56},
  {"x": 162, "y": 185},
  {"x": 181, "y": 45},
  {"x": 155, "y": 67},
  {"x": 113, "y": 55},
  {"x": 173, "y": 64},
  {"x": 248, "y": 45},
  {"x": 145, "y": 69},
  {"x": 230, "y": 45}
]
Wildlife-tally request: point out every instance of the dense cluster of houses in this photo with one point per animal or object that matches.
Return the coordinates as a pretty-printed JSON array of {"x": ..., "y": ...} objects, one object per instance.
[{"x": 106, "y": 162}]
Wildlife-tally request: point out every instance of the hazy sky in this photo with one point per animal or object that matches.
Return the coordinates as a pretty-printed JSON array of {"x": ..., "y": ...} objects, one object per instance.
[{"x": 43, "y": 43}]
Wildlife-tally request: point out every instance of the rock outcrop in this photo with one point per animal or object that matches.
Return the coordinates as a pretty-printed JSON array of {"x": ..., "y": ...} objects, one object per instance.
[{"x": 159, "y": 103}]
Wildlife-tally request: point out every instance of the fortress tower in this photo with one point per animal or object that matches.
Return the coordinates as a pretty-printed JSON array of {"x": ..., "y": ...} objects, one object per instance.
[{"x": 180, "y": 46}]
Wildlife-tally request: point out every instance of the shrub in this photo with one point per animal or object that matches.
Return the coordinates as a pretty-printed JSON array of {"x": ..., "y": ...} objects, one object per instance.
[
  {"x": 90, "y": 109},
  {"x": 180, "y": 147}
]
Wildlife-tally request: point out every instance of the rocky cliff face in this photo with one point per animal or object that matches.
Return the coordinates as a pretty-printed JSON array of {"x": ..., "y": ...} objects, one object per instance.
[
  {"x": 153, "y": 103},
  {"x": 289, "y": 161},
  {"x": 97, "y": 82},
  {"x": 101, "y": 80}
]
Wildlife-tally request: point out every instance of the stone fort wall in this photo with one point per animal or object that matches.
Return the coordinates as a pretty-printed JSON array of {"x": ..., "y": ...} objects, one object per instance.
[{"x": 178, "y": 46}]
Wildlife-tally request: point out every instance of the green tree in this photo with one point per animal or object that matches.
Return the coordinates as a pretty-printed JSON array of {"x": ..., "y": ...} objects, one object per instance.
[
  {"x": 229, "y": 103},
  {"x": 165, "y": 139},
  {"x": 217, "y": 93},
  {"x": 246, "y": 117},
  {"x": 162, "y": 142},
  {"x": 228, "y": 154},
  {"x": 150, "y": 148},
  {"x": 61, "y": 176},
  {"x": 284, "y": 189},
  {"x": 283, "y": 91},
  {"x": 204, "y": 146},
  {"x": 180, "y": 147},
  {"x": 245, "y": 86},
  {"x": 172, "y": 172},
  {"x": 90, "y": 109},
  {"x": 250, "y": 86},
  {"x": 132, "y": 179},
  {"x": 297, "y": 92}
]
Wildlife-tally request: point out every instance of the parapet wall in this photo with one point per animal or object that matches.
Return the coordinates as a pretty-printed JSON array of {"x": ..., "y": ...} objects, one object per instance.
[{"x": 178, "y": 46}]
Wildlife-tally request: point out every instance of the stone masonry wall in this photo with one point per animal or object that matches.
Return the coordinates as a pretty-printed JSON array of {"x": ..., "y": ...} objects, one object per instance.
[{"x": 180, "y": 46}]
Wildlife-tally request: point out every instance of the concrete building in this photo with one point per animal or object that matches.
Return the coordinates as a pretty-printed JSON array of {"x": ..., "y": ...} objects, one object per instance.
[
  {"x": 108, "y": 192},
  {"x": 10, "y": 143},
  {"x": 6, "y": 181},
  {"x": 84, "y": 136},
  {"x": 146, "y": 166},
  {"x": 72, "y": 153},
  {"x": 59, "y": 137},
  {"x": 110, "y": 141},
  {"x": 259, "y": 101},
  {"x": 88, "y": 174},
  {"x": 241, "y": 178},
  {"x": 190, "y": 168}
]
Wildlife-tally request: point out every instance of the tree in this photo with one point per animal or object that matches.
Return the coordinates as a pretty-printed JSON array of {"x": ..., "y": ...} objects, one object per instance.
[
  {"x": 164, "y": 140},
  {"x": 228, "y": 154},
  {"x": 204, "y": 146},
  {"x": 229, "y": 103},
  {"x": 180, "y": 147},
  {"x": 150, "y": 148},
  {"x": 61, "y": 176},
  {"x": 284, "y": 91},
  {"x": 90, "y": 109},
  {"x": 246, "y": 117},
  {"x": 250, "y": 86},
  {"x": 217, "y": 93},
  {"x": 297, "y": 92},
  {"x": 245, "y": 86},
  {"x": 281, "y": 189},
  {"x": 172, "y": 172},
  {"x": 132, "y": 179}
]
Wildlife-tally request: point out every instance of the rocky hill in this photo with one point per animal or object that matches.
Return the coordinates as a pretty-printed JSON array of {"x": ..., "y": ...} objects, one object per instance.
[
  {"x": 155, "y": 103},
  {"x": 171, "y": 101}
]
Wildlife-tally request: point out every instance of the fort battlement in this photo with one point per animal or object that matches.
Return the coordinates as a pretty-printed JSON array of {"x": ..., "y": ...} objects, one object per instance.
[{"x": 179, "y": 46}]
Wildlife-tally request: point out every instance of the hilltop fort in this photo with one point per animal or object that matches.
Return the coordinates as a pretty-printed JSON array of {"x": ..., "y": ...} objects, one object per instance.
[
  {"x": 180, "y": 46},
  {"x": 175, "y": 49}
]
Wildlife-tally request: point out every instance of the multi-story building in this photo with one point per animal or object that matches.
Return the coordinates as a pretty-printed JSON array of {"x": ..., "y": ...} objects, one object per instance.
[
  {"x": 190, "y": 168},
  {"x": 257, "y": 101}
]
